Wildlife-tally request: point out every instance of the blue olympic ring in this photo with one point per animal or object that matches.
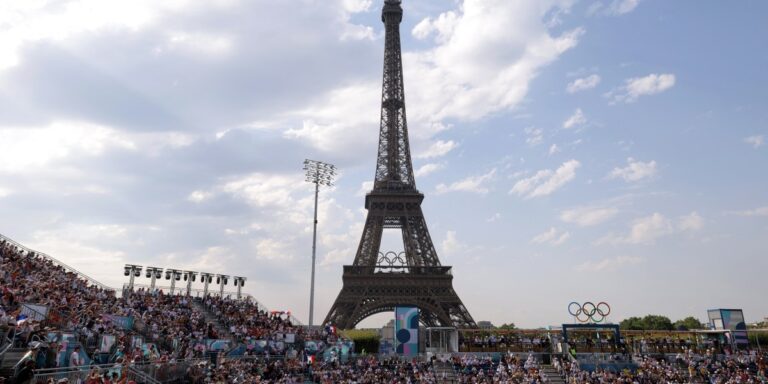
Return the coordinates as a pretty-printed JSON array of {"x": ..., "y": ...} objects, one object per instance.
[{"x": 589, "y": 311}]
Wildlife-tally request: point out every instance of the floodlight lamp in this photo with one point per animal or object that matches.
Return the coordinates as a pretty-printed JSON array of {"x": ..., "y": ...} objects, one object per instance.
[
  {"x": 167, "y": 275},
  {"x": 218, "y": 279},
  {"x": 137, "y": 272},
  {"x": 127, "y": 271},
  {"x": 158, "y": 273},
  {"x": 149, "y": 273}
]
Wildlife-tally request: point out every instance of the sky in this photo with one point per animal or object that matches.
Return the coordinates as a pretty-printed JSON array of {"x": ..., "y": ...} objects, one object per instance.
[{"x": 610, "y": 150}]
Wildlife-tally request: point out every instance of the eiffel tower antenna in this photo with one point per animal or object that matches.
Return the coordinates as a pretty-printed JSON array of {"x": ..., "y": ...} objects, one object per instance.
[{"x": 379, "y": 281}]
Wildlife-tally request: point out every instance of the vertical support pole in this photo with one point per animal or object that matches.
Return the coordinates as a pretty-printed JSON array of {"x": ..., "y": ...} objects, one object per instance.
[
  {"x": 239, "y": 289},
  {"x": 189, "y": 282},
  {"x": 314, "y": 250},
  {"x": 221, "y": 287},
  {"x": 206, "y": 277},
  {"x": 152, "y": 282},
  {"x": 130, "y": 280},
  {"x": 173, "y": 281}
]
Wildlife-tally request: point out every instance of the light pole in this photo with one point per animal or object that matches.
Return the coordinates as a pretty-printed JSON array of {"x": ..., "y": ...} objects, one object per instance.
[
  {"x": 239, "y": 283},
  {"x": 133, "y": 271},
  {"x": 318, "y": 173},
  {"x": 206, "y": 278},
  {"x": 173, "y": 275},
  {"x": 189, "y": 276},
  {"x": 154, "y": 273}
]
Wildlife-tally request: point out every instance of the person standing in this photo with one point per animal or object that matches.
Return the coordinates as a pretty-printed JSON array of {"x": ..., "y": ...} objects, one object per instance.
[{"x": 74, "y": 359}]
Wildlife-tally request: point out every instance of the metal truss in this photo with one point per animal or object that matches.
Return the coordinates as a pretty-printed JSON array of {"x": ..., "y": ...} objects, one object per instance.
[{"x": 378, "y": 282}]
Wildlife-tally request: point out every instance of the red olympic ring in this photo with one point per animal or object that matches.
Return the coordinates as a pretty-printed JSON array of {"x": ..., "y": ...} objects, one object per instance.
[{"x": 589, "y": 311}]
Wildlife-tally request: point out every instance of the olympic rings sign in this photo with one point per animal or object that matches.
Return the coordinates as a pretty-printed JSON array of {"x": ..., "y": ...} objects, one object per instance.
[{"x": 589, "y": 311}]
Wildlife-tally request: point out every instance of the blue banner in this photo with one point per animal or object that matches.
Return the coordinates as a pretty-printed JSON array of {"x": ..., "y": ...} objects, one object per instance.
[{"x": 407, "y": 331}]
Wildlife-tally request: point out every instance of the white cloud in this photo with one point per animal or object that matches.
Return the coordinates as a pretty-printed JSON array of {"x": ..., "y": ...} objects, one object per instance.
[
  {"x": 588, "y": 216},
  {"x": 615, "y": 8},
  {"x": 634, "y": 171},
  {"x": 365, "y": 187},
  {"x": 546, "y": 181},
  {"x": 438, "y": 149},
  {"x": 755, "y": 141},
  {"x": 584, "y": 83},
  {"x": 691, "y": 222},
  {"x": 22, "y": 149},
  {"x": 641, "y": 86},
  {"x": 451, "y": 245},
  {"x": 475, "y": 184},
  {"x": 553, "y": 149},
  {"x": 553, "y": 236},
  {"x": 199, "y": 196},
  {"x": 495, "y": 217},
  {"x": 760, "y": 211},
  {"x": 485, "y": 56},
  {"x": 534, "y": 136},
  {"x": 428, "y": 168},
  {"x": 645, "y": 230},
  {"x": 443, "y": 25},
  {"x": 609, "y": 264},
  {"x": 620, "y": 7},
  {"x": 575, "y": 120},
  {"x": 4, "y": 192}
]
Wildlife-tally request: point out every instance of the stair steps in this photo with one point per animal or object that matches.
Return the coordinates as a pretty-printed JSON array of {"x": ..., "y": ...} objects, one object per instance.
[{"x": 552, "y": 375}]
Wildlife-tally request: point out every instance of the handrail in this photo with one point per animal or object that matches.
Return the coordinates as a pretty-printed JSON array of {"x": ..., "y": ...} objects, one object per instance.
[
  {"x": 59, "y": 263},
  {"x": 9, "y": 339},
  {"x": 214, "y": 293}
]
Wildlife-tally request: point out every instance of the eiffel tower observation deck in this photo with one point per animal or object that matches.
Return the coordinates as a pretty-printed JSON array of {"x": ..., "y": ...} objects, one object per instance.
[{"x": 380, "y": 281}]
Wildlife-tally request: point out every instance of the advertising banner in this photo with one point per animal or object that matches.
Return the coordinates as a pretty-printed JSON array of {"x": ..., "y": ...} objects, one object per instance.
[
  {"x": 407, "y": 331},
  {"x": 733, "y": 319}
]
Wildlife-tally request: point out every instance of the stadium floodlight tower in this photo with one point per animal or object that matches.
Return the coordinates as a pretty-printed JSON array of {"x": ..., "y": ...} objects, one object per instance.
[
  {"x": 174, "y": 275},
  {"x": 239, "y": 283},
  {"x": 132, "y": 271},
  {"x": 319, "y": 173},
  {"x": 206, "y": 278},
  {"x": 154, "y": 273},
  {"x": 222, "y": 281},
  {"x": 189, "y": 277}
]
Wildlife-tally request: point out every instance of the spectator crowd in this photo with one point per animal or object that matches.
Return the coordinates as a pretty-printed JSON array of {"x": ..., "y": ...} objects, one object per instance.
[{"x": 167, "y": 329}]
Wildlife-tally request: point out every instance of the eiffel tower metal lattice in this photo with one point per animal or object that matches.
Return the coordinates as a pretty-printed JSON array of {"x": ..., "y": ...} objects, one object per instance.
[{"x": 378, "y": 282}]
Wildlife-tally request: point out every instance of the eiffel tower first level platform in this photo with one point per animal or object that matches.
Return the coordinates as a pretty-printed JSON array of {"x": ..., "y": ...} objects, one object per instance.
[
  {"x": 379, "y": 282},
  {"x": 367, "y": 292}
]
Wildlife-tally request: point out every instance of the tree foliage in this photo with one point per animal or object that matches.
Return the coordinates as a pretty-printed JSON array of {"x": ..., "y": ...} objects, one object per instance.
[
  {"x": 649, "y": 322},
  {"x": 507, "y": 326},
  {"x": 688, "y": 324}
]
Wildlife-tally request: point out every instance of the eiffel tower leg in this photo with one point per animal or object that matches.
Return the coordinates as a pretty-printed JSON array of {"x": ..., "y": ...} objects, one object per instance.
[
  {"x": 370, "y": 241},
  {"x": 418, "y": 244}
]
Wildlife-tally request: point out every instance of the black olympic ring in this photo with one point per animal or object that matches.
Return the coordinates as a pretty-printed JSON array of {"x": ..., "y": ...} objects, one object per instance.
[{"x": 589, "y": 311}]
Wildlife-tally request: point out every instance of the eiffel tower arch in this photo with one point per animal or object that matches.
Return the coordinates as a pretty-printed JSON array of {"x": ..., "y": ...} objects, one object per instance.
[{"x": 377, "y": 281}]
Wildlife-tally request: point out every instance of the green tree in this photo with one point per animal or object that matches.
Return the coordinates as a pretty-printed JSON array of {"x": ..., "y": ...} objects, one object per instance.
[
  {"x": 632, "y": 324},
  {"x": 658, "y": 323},
  {"x": 507, "y": 326},
  {"x": 688, "y": 324},
  {"x": 649, "y": 322}
]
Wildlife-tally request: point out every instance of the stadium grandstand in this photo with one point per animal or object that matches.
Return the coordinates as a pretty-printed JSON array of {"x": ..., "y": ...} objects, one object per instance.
[{"x": 59, "y": 326}]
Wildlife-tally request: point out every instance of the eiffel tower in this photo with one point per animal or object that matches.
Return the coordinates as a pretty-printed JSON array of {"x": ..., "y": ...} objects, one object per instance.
[{"x": 376, "y": 281}]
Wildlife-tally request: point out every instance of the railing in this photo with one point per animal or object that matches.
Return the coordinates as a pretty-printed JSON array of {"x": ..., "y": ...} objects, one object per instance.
[
  {"x": 200, "y": 293},
  {"x": 59, "y": 263},
  {"x": 7, "y": 342},
  {"x": 354, "y": 270}
]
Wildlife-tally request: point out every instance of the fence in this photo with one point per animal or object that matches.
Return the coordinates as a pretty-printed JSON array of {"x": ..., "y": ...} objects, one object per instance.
[
  {"x": 80, "y": 374},
  {"x": 58, "y": 263}
]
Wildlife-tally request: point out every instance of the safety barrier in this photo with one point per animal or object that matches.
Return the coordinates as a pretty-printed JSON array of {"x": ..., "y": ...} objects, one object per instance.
[{"x": 57, "y": 262}]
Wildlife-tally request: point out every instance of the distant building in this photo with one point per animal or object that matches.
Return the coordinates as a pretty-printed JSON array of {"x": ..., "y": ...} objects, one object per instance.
[{"x": 484, "y": 324}]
